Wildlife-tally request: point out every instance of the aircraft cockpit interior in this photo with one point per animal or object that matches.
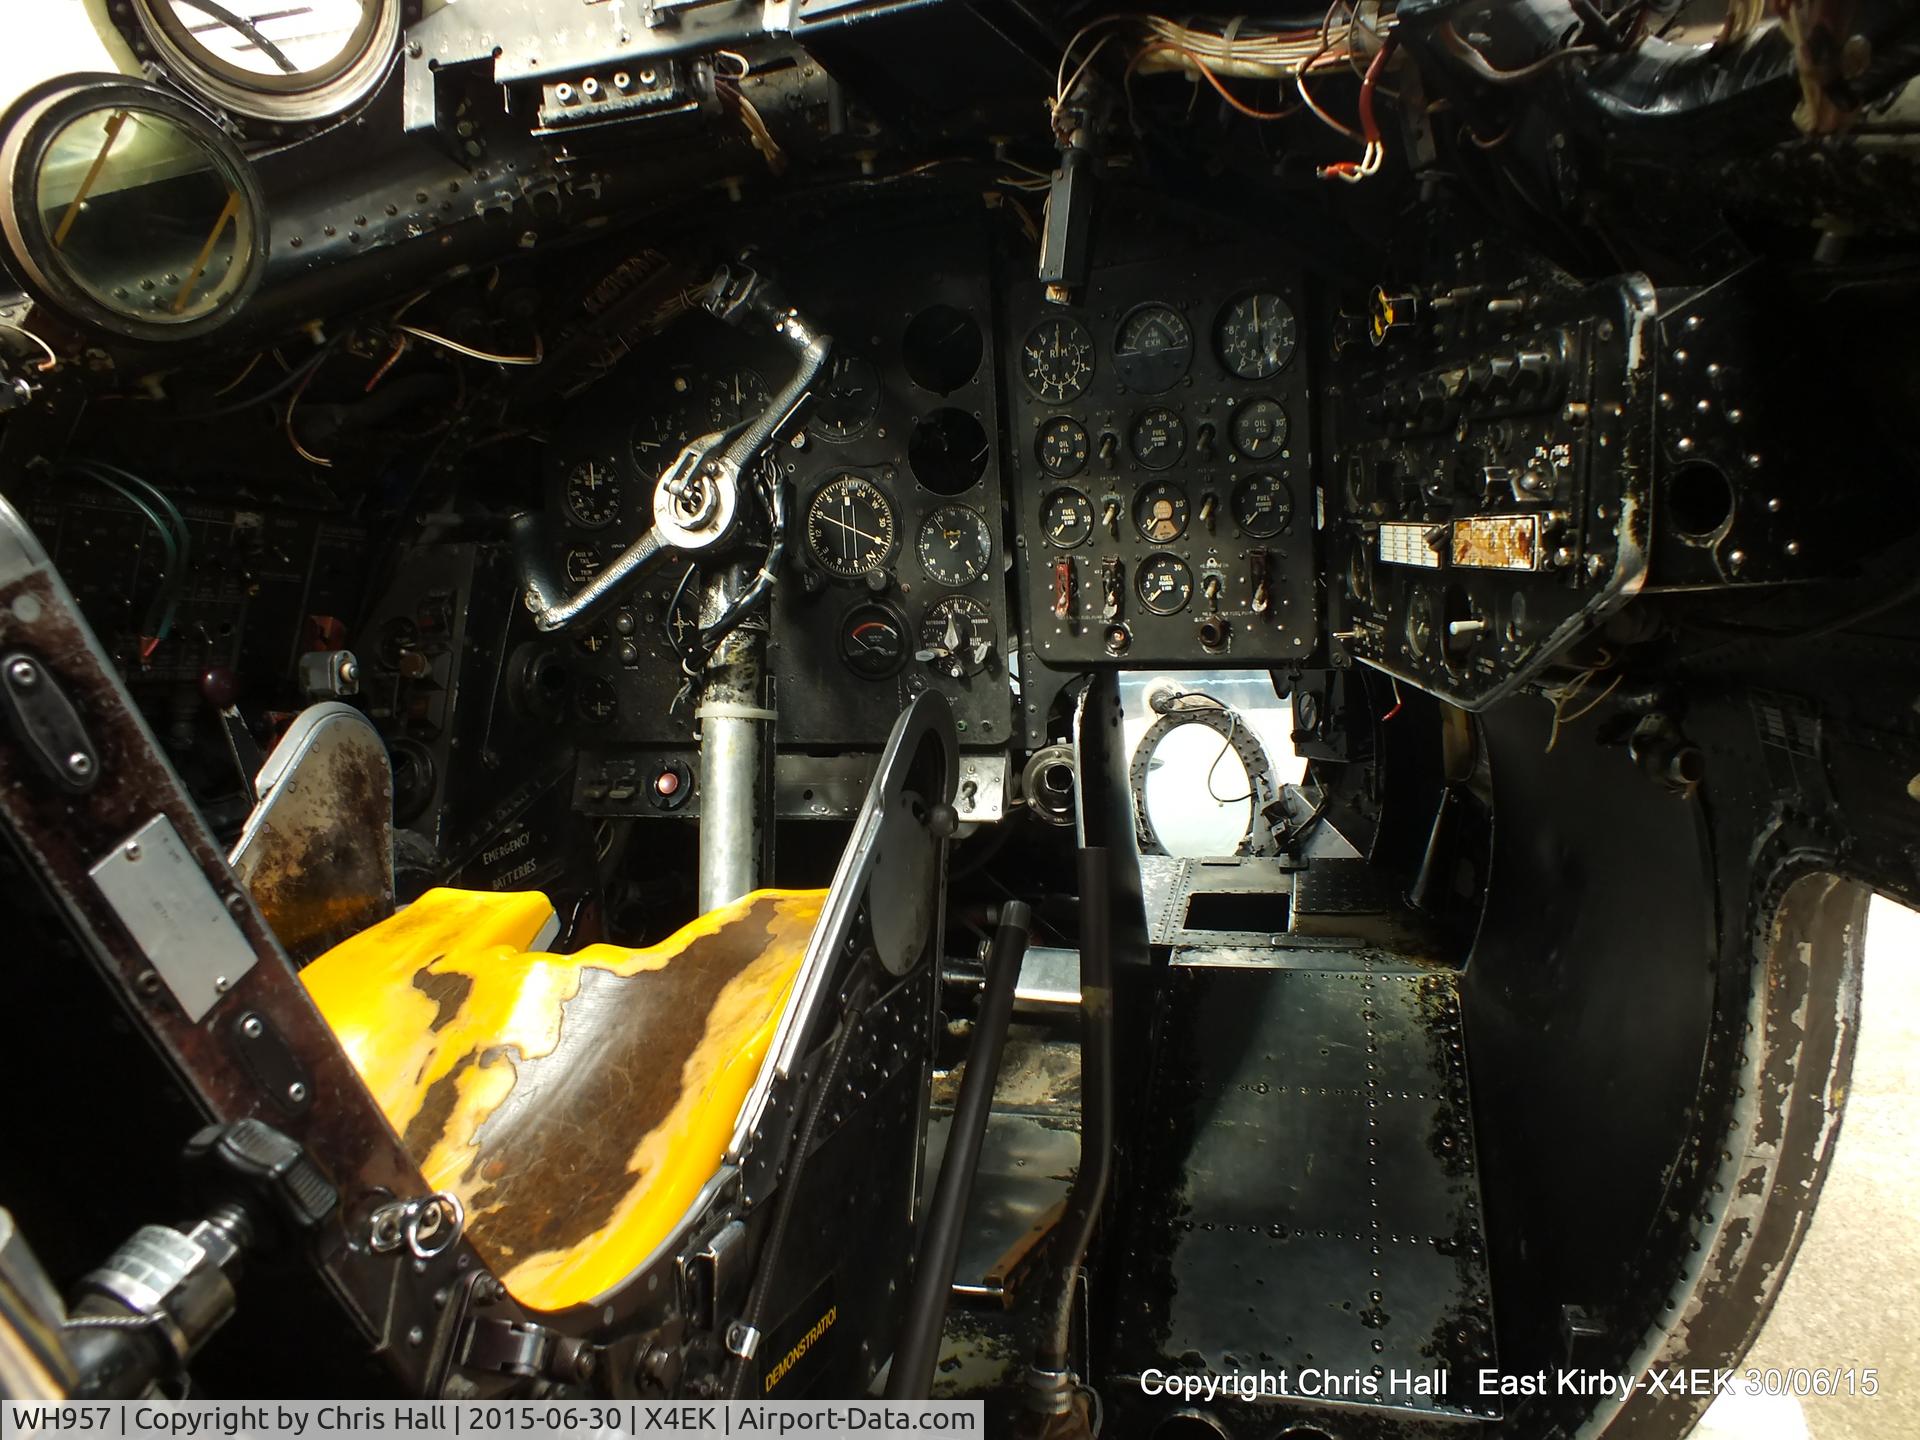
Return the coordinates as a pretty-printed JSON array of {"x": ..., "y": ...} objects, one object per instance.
[{"x": 957, "y": 699}]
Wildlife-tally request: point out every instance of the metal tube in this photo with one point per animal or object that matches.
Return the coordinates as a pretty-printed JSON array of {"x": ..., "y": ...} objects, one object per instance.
[
  {"x": 1046, "y": 1387},
  {"x": 736, "y": 752},
  {"x": 913, "y": 1357}
]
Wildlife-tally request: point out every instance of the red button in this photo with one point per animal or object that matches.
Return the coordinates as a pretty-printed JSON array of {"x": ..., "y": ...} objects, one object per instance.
[{"x": 666, "y": 782}]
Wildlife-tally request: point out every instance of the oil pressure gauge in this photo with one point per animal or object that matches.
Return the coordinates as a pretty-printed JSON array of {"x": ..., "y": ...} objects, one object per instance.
[{"x": 1062, "y": 447}]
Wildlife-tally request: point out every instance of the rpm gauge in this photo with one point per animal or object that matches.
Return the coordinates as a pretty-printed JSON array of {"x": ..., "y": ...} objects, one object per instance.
[
  {"x": 850, "y": 526},
  {"x": 1153, "y": 347},
  {"x": 1160, "y": 512},
  {"x": 734, "y": 397},
  {"x": 1159, "y": 438},
  {"x": 1057, "y": 360},
  {"x": 1259, "y": 429},
  {"x": 1256, "y": 335},
  {"x": 1062, "y": 447},
  {"x": 593, "y": 494},
  {"x": 1261, "y": 506},
  {"x": 1165, "y": 584},
  {"x": 954, "y": 545},
  {"x": 1066, "y": 518}
]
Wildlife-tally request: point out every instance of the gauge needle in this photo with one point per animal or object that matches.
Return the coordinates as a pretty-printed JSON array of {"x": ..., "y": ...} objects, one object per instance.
[{"x": 851, "y": 529}]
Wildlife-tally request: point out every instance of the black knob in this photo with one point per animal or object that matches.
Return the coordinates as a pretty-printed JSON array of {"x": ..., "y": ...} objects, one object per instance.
[{"x": 267, "y": 1172}]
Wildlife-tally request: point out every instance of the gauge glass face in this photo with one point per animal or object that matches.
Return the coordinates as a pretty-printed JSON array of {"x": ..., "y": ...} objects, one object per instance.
[
  {"x": 596, "y": 701},
  {"x": 1057, "y": 360},
  {"x": 142, "y": 216},
  {"x": 1067, "y": 518},
  {"x": 956, "y": 636},
  {"x": 873, "y": 642},
  {"x": 593, "y": 494},
  {"x": 850, "y": 526},
  {"x": 1160, "y": 512},
  {"x": 1153, "y": 348},
  {"x": 1062, "y": 447},
  {"x": 1261, "y": 506},
  {"x": 272, "y": 38},
  {"x": 848, "y": 399},
  {"x": 954, "y": 545},
  {"x": 1159, "y": 438},
  {"x": 656, "y": 440},
  {"x": 735, "y": 396},
  {"x": 1165, "y": 584},
  {"x": 582, "y": 563},
  {"x": 1260, "y": 429},
  {"x": 1256, "y": 336}
]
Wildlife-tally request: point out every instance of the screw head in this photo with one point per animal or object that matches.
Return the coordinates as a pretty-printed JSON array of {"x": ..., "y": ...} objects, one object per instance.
[
  {"x": 79, "y": 764},
  {"x": 296, "y": 1092},
  {"x": 24, "y": 674},
  {"x": 132, "y": 850}
]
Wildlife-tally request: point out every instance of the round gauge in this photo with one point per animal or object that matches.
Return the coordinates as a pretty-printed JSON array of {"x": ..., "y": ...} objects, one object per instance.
[
  {"x": 582, "y": 563},
  {"x": 656, "y": 440},
  {"x": 848, "y": 400},
  {"x": 1062, "y": 447},
  {"x": 735, "y": 396},
  {"x": 1067, "y": 518},
  {"x": 1259, "y": 429},
  {"x": 130, "y": 210},
  {"x": 954, "y": 545},
  {"x": 273, "y": 60},
  {"x": 1419, "y": 623},
  {"x": 593, "y": 494},
  {"x": 850, "y": 526},
  {"x": 1165, "y": 584},
  {"x": 595, "y": 700},
  {"x": 956, "y": 636},
  {"x": 1160, "y": 512},
  {"x": 1057, "y": 360},
  {"x": 1261, "y": 506},
  {"x": 1255, "y": 335},
  {"x": 1153, "y": 347},
  {"x": 1159, "y": 438},
  {"x": 873, "y": 642}
]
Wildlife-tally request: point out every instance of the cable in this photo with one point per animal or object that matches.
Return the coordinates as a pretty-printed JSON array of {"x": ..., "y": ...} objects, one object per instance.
[
  {"x": 470, "y": 352},
  {"x": 1457, "y": 46},
  {"x": 293, "y": 439},
  {"x": 1233, "y": 724},
  {"x": 284, "y": 383},
  {"x": 52, "y": 359}
]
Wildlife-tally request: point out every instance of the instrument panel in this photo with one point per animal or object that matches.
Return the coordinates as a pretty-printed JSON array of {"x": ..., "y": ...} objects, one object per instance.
[
  {"x": 894, "y": 573},
  {"x": 1162, "y": 468}
]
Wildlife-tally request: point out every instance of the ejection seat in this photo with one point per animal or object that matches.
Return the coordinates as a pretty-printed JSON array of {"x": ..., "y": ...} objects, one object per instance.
[{"x": 628, "y": 1168}]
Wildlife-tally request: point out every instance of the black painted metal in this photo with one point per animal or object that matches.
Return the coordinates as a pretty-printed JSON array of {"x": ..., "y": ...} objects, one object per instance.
[{"x": 912, "y": 1373}]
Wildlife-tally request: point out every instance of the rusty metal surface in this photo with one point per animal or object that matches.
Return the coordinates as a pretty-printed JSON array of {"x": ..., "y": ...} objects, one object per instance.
[{"x": 317, "y": 852}]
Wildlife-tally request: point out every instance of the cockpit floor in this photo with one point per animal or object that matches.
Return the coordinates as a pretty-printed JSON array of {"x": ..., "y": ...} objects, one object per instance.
[{"x": 1307, "y": 1202}]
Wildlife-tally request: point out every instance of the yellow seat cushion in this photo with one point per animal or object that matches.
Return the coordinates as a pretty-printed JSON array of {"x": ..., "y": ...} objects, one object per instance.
[{"x": 576, "y": 1104}]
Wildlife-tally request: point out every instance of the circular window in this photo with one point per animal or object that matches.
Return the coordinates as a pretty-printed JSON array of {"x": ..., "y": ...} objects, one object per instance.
[
  {"x": 131, "y": 211},
  {"x": 273, "y": 60},
  {"x": 1196, "y": 777}
]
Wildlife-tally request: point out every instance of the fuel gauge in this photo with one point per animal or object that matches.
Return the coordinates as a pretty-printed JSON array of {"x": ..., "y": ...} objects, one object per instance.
[
  {"x": 1067, "y": 518},
  {"x": 1165, "y": 584}
]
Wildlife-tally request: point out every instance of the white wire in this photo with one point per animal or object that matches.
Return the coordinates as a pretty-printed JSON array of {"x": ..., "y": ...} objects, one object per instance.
[{"x": 469, "y": 351}]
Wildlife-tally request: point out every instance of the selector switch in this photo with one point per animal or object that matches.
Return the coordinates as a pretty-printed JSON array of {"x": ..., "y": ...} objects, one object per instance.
[
  {"x": 1112, "y": 589},
  {"x": 1109, "y": 449},
  {"x": 1258, "y": 585},
  {"x": 1110, "y": 517},
  {"x": 1063, "y": 587}
]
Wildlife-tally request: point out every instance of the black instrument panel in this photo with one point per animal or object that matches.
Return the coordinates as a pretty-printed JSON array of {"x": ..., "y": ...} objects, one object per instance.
[
  {"x": 894, "y": 576},
  {"x": 1163, "y": 477}
]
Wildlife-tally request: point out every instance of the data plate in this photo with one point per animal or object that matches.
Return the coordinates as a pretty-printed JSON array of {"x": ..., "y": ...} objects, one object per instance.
[
  {"x": 160, "y": 893},
  {"x": 1497, "y": 542}
]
